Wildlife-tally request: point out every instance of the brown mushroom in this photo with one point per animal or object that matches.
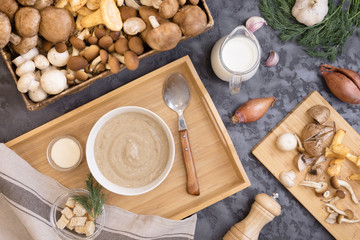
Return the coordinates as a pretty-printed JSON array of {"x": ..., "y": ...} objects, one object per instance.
[
  {"x": 81, "y": 75},
  {"x": 105, "y": 42},
  {"x": 145, "y": 12},
  {"x": 56, "y": 24},
  {"x": 76, "y": 63},
  {"x": 5, "y": 30},
  {"x": 115, "y": 35},
  {"x": 191, "y": 19},
  {"x": 182, "y": 2},
  {"x": 168, "y": 8},
  {"x": 27, "y": 21},
  {"x": 25, "y": 45},
  {"x": 136, "y": 45},
  {"x": 92, "y": 52},
  {"x": 104, "y": 56},
  {"x": 114, "y": 64},
  {"x": 100, "y": 32},
  {"x": 194, "y": 2},
  {"x": 319, "y": 113},
  {"x": 41, "y": 4},
  {"x": 9, "y": 7},
  {"x": 131, "y": 60},
  {"x": 134, "y": 25},
  {"x": 60, "y": 47},
  {"x": 27, "y": 2},
  {"x": 341, "y": 219},
  {"x": 162, "y": 37},
  {"x": 77, "y": 43},
  {"x": 316, "y": 138},
  {"x": 127, "y": 12},
  {"x": 121, "y": 46}
]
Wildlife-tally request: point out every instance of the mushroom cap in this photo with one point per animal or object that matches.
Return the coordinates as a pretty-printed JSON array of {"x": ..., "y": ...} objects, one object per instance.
[
  {"x": 56, "y": 24},
  {"x": 319, "y": 113},
  {"x": 340, "y": 194},
  {"x": 145, "y": 12},
  {"x": 27, "y": 2},
  {"x": 191, "y": 19},
  {"x": 114, "y": 64},
  {"x": 164, "y": 37},
  {"x": 339, "y": 218},
  {"x": 131, "y": 60},
  {"x": 9, "y": 7},
  {"x": 41, "y": 4},
  {"x": 334, "y": 182},
  {"x": 121, "y": 45},
  {"x": 27, "y": 21},
  {"x": 91, "y": 52},
  {"x": 53, "y": 81},
  {"x": 58, "y": 59},
  {"x": 168, "y": 8},
  {"x": 324, "y": 187},
  {"x": 136, "y": 45},
  {"x": 76, "y": 63},
  {"x": 134, "y": 25},
  {"x": 349, "y": 214},
  {"x": 127, "y": 12},
  {"x": 5, "y": 30},
  {"x": 37, "y": 95}
]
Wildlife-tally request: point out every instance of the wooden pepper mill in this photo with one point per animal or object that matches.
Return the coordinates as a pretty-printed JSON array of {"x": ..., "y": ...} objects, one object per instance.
[{"x": 263, "y": 210}]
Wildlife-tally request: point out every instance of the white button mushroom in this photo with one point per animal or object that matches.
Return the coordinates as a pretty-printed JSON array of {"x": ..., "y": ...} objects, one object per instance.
[
  {"x": 30, "y": 55},
  {"x": 53, "y": 81},
  {"x": 286, "y": 142},
  {"x": 41, "y": 62},
  {"x": 287, "y": 178},
  {"x": 58, "y": 59},
  {"x": 26, "y": 67},
  {"x": 27, "y": 82},
  {"x": 38, "y": 94}
]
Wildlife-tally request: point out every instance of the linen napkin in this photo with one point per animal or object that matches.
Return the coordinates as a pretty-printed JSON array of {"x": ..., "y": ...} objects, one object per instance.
[{"x": 26, "y": 196}]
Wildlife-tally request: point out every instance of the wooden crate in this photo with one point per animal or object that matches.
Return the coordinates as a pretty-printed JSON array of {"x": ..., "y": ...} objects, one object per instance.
[{"x": 32, "y": 106}]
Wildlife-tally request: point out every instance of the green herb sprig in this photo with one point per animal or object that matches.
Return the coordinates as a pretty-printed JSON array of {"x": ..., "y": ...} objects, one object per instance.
[
  {"x": 323, "y": 40},
  {"x": 94, "y": 201}
]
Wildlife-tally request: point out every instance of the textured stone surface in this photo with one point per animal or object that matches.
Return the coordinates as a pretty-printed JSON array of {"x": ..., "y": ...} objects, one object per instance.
[{"x": 290, "y": 81}]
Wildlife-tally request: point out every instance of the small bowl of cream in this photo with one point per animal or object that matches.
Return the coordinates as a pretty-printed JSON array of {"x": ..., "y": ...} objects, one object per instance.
[{"x": 64, "y": 153}]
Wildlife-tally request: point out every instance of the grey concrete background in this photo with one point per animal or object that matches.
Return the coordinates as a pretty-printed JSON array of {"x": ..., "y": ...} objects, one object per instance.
[{"x": 290, "y": 81}]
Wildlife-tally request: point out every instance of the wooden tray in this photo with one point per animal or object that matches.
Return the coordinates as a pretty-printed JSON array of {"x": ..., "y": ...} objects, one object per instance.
[
  {"x": 277, "y": 161},
  {"x": 32, "y": 106},
  {"x": 218, "y": 167}
]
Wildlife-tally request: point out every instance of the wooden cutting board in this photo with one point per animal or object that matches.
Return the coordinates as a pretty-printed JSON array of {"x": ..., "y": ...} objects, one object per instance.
[
  {"x": 219, "y": 169},
  {"x": 277, "y": 161}
]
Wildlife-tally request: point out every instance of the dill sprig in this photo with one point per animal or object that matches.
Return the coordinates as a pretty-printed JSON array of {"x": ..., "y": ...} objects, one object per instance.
[
  {"x": 323, "y": 40},
  {"x": 94, "y": 201}
]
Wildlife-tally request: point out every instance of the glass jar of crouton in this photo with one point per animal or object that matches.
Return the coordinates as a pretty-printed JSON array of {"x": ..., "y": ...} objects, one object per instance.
[{"x": 70, "y": 220}]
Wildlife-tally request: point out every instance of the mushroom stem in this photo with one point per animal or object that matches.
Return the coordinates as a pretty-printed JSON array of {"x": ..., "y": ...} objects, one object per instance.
[
  {"x": 94, "y": 63},
  {"x": 310, "y": 184},
  {"x": 15, "y": 39},
  {"x": 154, "y": 23},
  {"x": 335, "y": 209},
  {"x": 349, "y": 188}
]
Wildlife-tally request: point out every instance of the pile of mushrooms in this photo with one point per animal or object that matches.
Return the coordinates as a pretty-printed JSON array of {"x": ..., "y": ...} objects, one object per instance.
[{"x": 79, "y": 39}]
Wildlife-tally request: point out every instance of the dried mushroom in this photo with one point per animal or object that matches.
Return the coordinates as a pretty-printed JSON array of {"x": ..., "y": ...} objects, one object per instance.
[{"x": 319, "y": 113}]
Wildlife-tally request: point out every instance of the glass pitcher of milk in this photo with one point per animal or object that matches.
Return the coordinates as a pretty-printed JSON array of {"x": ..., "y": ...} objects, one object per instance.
[{"x": 236, "y": 57}]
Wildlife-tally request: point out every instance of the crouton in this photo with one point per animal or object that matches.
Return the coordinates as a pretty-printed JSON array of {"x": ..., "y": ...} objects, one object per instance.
[
  {"x": 89, "y": 228},
  {"x": 79, "y": 210},
  {"x": 77, "y": 221},
  {"x": 80, "y": 229},
  {"x": 70, "y": 203},
  {"x": 61, "y": 223},
  {"x": 67, "y": 213}
]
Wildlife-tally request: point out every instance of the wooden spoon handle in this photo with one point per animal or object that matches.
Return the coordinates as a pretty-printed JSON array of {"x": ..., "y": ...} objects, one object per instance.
[{"x": 192, "y": 181}]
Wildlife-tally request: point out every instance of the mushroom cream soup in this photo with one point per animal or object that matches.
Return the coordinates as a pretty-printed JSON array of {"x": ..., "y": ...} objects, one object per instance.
[{"x": 131, "y": 149}]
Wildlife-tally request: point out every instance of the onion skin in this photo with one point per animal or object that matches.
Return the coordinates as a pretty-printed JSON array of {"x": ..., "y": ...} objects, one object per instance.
[
  {"x": 253, "y": 110},
  {"x": 343, "y": 83}
]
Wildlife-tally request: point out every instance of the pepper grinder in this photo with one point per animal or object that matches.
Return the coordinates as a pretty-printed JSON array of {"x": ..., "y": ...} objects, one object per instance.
[{"x": 263, "y": 210}]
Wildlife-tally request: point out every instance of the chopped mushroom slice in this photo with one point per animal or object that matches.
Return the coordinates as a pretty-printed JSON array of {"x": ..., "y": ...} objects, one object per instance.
[{"x": 331, "y": 219}]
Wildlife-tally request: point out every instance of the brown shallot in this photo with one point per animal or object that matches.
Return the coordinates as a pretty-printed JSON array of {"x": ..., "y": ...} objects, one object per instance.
[
  {"x": 343, "y": 83},
  {"x": 253, "y": 110}
]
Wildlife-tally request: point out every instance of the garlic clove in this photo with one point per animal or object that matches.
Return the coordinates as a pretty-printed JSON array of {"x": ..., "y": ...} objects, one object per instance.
[
  {"x": 255, "y": 23},
  {"x": 273, "y": 59}
]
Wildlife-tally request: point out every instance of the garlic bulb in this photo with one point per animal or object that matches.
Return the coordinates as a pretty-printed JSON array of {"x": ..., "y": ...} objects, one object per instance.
[{"x": 310, "y": 12}]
